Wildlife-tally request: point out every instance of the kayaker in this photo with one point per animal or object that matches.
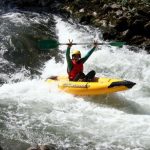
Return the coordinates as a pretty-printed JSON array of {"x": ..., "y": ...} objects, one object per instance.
[{"x": 75, "y": 64}]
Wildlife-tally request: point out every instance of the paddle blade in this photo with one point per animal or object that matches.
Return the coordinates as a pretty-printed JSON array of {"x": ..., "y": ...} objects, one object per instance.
[
  {"x": 47, "y": 44},
  {"x": 117, "y": 44}
]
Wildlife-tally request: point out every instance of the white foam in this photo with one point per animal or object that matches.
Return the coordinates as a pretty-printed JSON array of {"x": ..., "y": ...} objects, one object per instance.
[{"x": 65, "y": 119}]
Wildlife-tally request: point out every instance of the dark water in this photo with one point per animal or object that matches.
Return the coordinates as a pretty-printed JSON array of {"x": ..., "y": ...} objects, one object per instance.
[{"x": 19, "y": 34}]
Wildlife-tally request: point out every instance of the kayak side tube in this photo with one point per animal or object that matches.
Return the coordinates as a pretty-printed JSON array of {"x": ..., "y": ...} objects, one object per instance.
[{"x": 125, "y": 83}]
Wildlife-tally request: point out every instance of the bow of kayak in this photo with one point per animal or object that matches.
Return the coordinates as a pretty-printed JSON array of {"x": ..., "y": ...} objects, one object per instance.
[{"x": 99, "y": 86}]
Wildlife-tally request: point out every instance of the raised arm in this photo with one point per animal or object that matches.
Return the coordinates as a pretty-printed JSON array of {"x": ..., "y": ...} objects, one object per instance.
[
  {"x": 84, "y": 59},
  {"x": 69, "y": 62}
]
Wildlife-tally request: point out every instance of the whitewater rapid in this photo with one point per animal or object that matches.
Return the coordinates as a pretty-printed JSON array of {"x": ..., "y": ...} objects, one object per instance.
[{"x": 32, "y": 112}]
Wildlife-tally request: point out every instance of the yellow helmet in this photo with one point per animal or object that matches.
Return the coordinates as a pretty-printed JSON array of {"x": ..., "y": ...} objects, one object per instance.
[{"x": 76, "y": 52}]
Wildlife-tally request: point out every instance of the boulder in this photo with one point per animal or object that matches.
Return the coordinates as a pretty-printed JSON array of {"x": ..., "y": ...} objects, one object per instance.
[
  {"x": 115, "y": 6},
  {"x": 122, "y": 24},
  {"x": 85, "y": 19},
  {"x": 137, "y": 28},
  {"x": 43, "y": 147},
  {"x": 144, "y": 12}
]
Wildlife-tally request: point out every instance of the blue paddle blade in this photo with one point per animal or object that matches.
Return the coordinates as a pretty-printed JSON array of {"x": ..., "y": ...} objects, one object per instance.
[
  {"x": 47, "y": 44},
  {"x": 117, "y": 44}
]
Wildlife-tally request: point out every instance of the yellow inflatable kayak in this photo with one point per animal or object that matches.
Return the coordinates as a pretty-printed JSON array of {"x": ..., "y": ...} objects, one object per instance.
[{"x": 99, "y": 86}]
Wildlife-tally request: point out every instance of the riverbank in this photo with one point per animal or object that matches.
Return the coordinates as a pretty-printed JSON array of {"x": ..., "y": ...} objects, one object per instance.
[
  {"x": 119, "y": 20},
  {"x": 122, "y": 20}
]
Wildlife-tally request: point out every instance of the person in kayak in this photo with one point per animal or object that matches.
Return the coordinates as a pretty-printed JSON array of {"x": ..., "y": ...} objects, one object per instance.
[{"x": 75, "y": 64}]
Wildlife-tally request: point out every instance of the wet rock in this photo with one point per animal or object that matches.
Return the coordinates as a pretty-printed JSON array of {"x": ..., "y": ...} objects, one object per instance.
[
  {"x": 46, "y": 147},
  {"x": 94, "y": 14},
  {"x": 43, "y": 147},
  {"x": 144, "y": 12},
  {"x": 137, "y": 28},
  {"x": 106, "y": 8},
  {"x": 102, "y": 22},
  {"x": 32, "y": 148},
  {"x": 119, "y": 12},
  {"x": 82, "y": 10},
  {"x": 109, "y": 35},
  {"x": 85, "y": 19},
  {"x": 122, "y": 24},
  {"x": 136, "y": 40},
  {"x": 115, "y": 6}
]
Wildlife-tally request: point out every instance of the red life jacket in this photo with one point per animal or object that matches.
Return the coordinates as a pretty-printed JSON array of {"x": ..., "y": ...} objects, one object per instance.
[{"x": 77, "y": 67}]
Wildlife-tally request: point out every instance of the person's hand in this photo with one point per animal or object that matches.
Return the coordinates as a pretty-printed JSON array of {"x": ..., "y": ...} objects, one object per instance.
[
  {"x": 70, "y": 43},
  {"x": 95, "y": 43}
]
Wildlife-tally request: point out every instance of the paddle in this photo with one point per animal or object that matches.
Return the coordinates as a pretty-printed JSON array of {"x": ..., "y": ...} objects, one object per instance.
[{"x": 51, "y": 44}]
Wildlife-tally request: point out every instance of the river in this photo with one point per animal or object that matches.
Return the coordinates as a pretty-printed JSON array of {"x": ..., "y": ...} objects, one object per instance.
[{"x": 31, "y": 112}]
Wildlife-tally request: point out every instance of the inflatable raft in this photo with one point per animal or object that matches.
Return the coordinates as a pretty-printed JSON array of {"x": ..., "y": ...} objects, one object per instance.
[{"x": 102, "y": 85}]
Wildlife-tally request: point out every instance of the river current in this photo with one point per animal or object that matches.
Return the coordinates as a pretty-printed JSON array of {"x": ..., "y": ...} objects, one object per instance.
[{"x": 31, "y": 112}]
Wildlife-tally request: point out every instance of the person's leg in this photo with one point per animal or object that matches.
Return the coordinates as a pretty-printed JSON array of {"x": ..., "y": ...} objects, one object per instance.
[
  {"x": 90, "y": 76},
  {"x": 80, "y": 75}
]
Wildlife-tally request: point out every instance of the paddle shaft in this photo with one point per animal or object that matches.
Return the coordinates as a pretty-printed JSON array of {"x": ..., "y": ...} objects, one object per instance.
[
  {"x": 80, "y": 43},
  {"x": 50, "y": 44}
]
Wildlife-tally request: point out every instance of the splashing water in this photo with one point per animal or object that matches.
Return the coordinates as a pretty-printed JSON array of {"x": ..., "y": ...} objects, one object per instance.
[{"x": 31, "y": 112}]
